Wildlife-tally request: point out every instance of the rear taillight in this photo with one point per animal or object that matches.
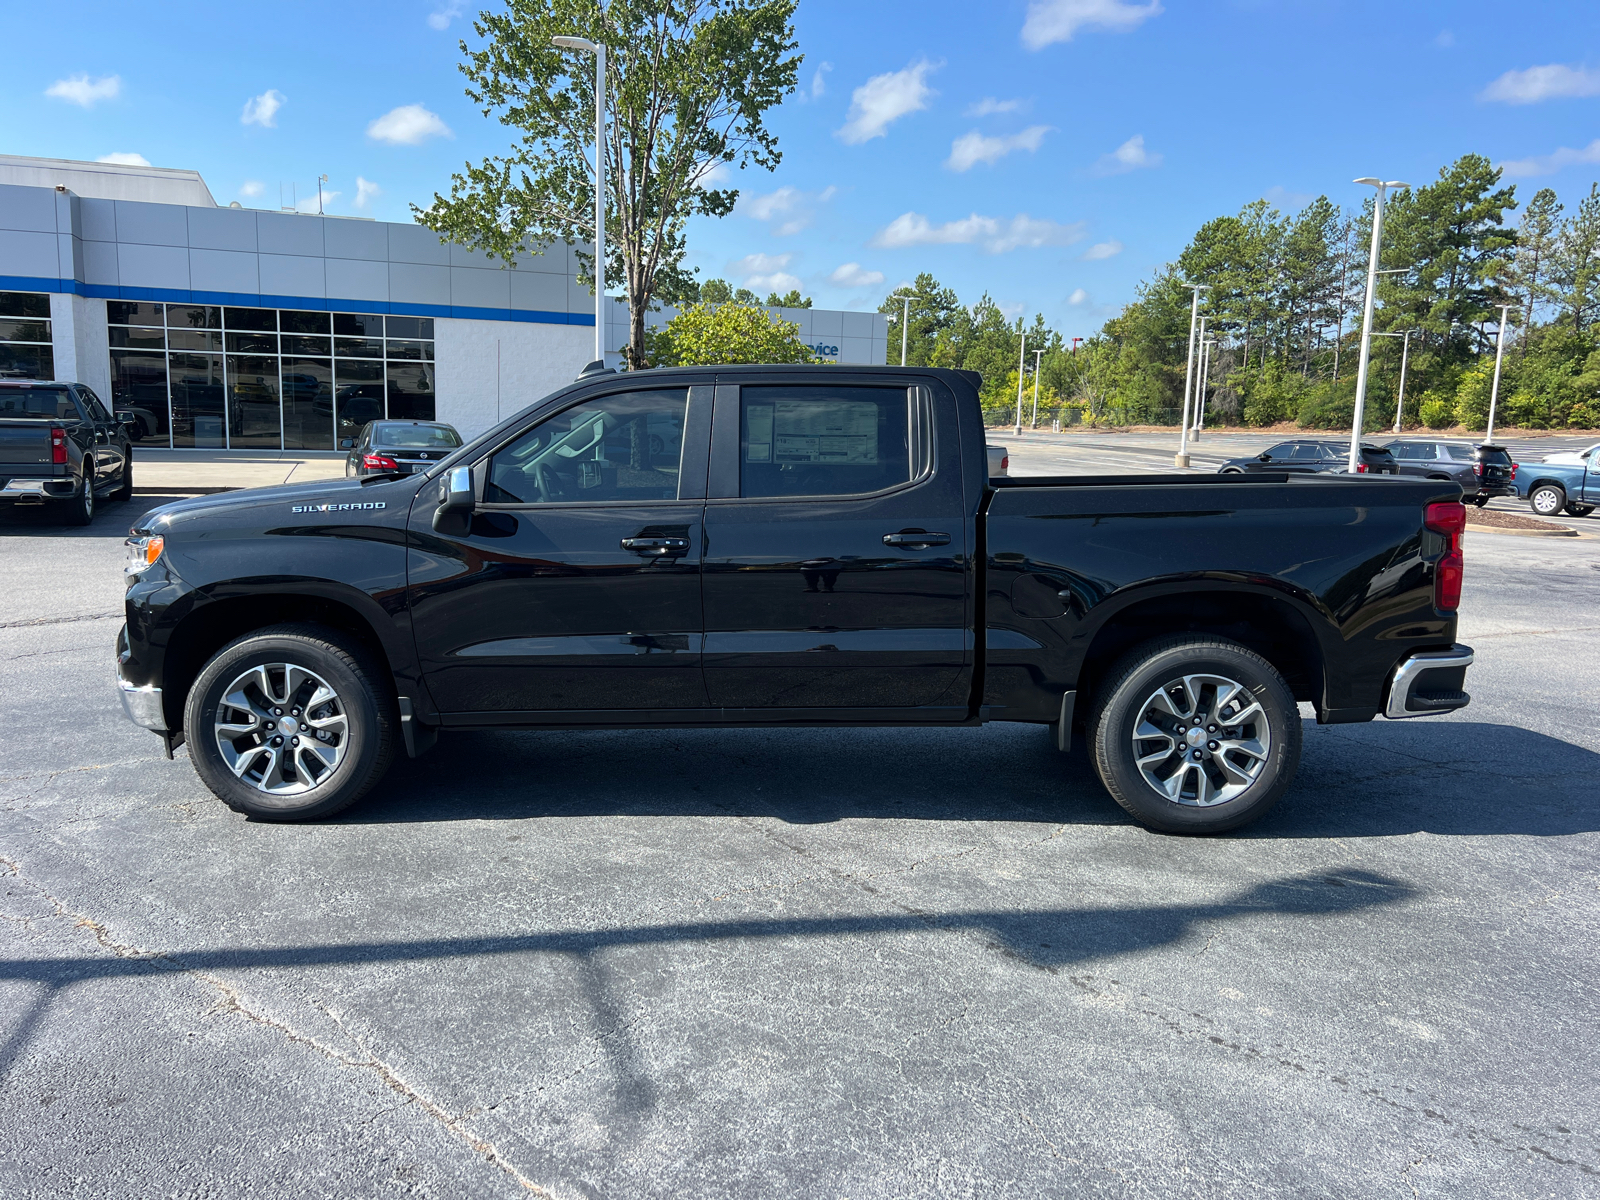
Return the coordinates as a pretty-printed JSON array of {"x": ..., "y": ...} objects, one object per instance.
[
  {"x": 1513, "y": 470},
  {"x": 1448, "y": 519},
  {"x": 379, "y": 462},
  {"x": 1361, "y": 468},
  {"x": 58, "y": 446},
  {"x": 1005, "y": 462},
  {"x": 1477, "y": 468}
]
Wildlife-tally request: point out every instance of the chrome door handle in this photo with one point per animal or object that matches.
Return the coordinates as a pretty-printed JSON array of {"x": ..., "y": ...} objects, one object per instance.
[
  {"x": 916, "y": 539},
  {"x": 656, "y": 547}
]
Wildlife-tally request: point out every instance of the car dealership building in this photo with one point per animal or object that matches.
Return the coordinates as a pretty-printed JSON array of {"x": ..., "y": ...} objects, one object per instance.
[{"x": 253, "y": 329}]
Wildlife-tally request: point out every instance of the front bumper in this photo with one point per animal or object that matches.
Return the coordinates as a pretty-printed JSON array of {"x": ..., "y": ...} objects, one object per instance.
[
  {"x": 143, "y": 705},
  {"x": 1428, "y": 683}
]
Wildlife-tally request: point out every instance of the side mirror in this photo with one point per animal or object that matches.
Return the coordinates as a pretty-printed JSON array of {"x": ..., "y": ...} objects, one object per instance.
[
  {"x": 456, "y": 502},
  {"x": 125, "y": 417},
  {"x": 1265, "y": 457}
]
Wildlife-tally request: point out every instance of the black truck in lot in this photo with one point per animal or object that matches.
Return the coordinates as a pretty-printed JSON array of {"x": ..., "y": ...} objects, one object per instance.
[
  {"x": 745, "y": 546},
  {"x": 60, "y": 447}
]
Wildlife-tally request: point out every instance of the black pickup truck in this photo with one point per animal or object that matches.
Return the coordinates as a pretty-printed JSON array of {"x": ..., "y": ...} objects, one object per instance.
[
  {"x": 749, "y": 546},
  {"x": 60, "y": 447}
]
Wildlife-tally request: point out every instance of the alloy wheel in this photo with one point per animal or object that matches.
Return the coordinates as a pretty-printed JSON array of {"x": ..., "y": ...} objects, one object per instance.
[
  {"x": 1201, "y": 740},
  {"x": 281, "y": 729}
]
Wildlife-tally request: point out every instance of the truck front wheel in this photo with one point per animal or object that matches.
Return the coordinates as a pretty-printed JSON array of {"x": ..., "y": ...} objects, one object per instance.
[
  {"x": 1194, "y": 734},
  {"x": 291, "y": 723}
]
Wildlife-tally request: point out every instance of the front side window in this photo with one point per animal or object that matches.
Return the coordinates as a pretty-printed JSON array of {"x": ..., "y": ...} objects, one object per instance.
[
  {"x": 822, "y": 441},
  {"x": 620, "y": 447}
]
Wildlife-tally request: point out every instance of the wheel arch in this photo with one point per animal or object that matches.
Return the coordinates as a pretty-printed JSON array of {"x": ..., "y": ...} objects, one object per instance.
[
  {"x": 1279, "y": 626},
  {"x": 208, "y": 627}
]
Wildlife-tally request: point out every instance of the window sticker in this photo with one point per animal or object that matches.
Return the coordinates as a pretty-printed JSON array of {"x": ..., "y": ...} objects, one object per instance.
[
  {"x": 758, "y": 418},
  {"x": 830, "y": 431}
]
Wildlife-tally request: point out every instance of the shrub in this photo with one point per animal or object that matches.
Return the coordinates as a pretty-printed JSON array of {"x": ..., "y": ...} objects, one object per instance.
[
  {"x": 1526, "y": 411},
  {"x": 709, "y": 335},
  {"x": 1584, "y": 416},
  {"x": 1472, "y": 397},
  {"x": 1436, "y": 411}
]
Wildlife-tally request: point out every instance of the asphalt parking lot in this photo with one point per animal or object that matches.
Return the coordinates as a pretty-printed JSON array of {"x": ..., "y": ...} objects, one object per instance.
[{"x": 869, "y": 963}]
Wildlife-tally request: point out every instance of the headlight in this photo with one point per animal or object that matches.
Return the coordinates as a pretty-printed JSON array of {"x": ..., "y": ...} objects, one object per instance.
[{"x": 142, "y": 552}]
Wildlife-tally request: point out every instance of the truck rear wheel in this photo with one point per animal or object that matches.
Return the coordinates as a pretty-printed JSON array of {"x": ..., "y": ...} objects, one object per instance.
[
  {"x": 1195, "y": 734},
  {"x": 80, "y": 509},
  {"x": 291, "y": 723}
]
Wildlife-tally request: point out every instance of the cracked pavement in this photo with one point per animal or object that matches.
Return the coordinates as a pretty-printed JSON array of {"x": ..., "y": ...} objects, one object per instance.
[{"x": 862, "y": 963}]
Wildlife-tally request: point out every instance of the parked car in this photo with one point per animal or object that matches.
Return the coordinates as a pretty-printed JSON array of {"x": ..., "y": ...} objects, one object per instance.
[
  {"x": 1497, "y": 473},
  {"x": 60, "y": 447},
  {"x": 999, "y": 461},
  {"x": 1583, "y": 456},
  {"x": 1309, "y": 457},
  {"x": 400, "y": 447},
  {"x": 1550, "y": 488},
  {"x": 1428, "y": 458},
  {"x": 779, "y": 546}
]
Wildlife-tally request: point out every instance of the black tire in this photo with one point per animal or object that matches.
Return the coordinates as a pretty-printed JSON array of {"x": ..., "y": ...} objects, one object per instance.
[
  {"x": 1230, "y": 471},
  {"x": 364, "y": 698},
  {"x": 125, "y": 484},
  {"x": 80, "y": 509},
  {"x": 1579, "y": 510},
  {"x": 1547, "y": 499},
  {"x": 1126, "y": 698},
  {"x": 1480, "y": 501}
]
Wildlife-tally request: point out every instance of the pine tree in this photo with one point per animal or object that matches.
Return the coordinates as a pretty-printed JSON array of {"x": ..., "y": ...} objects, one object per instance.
[
  {"x": 1538, "y": 237},
  {"x": 1576, "y": 270}
]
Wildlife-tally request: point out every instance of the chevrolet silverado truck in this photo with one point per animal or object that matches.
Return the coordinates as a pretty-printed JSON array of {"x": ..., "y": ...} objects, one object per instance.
[
  {"x": 770, "y": 546},
  {"x": 60, "y": 448}
]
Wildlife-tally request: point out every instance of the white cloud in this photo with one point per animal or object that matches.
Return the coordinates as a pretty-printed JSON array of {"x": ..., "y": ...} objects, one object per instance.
[
  {"x": 716, "y": 175},
  {"x": 263, "y": 109},
  {"x": 1102, "y": 250},
  {"x": 365, "y": 191},
  {"x": 1078, "y": 297},
  {"x": 819, "y": 81},
  {"x": 1278, "y": 194},
  {"x": 778, "y": 281},
  {"x": 884, "y": 99},
  {"x": 764, "y": 271},
  {"x": 440, "y": 18},
  {"x": 853, "y": 275},
  {"x": 1549, "y": 164},
  {"x": 311, "y": 204},
  {"x": 85, "y": 92},
  {"x": 995, "y": 235},
  {"x": 124, "y": 159},
  {"x": 251, "y": 187},
  {"x": 989, "y": 106},
  {"x": 788, "y": 209},
  {"x": 1444, "y": 39},
  {"x": 1542, "y": 83},
  {"x": 1052, "y": 21},
  {"x": 970, "y": 149},
  {"x": 1130, "y": 156},
  {"x": 408, "y": 125}
]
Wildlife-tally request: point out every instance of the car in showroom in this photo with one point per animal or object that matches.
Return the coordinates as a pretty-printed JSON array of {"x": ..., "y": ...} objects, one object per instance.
[
  {"x": 1463, "y": 462},
  {"x": 399, "y": 447},
  {"x": 1307, "y": 456}
]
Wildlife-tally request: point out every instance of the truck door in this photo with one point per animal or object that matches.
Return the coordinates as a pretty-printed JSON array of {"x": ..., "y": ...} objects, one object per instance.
[
  {"x": 577, "y": 586},
  {"x": 1591, "y": 480},
  {"x": 836, "y": 570},
  {"x": 107, "y": 438}
]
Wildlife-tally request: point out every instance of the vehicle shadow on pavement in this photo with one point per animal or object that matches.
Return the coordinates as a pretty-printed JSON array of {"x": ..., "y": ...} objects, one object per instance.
[
  {"x": 111, "y": 518},
  {"x": 1377, "y": 780}
]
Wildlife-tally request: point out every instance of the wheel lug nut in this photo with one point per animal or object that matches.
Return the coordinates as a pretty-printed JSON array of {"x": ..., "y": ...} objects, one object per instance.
[
  {"x": 1198, "y": 756},
  {"x": 1212, "y": 745},
  {"x": 277, "y": 712},
  {"x": 294, "y": 741},
  {"x": 277, "y": 741},
  {"x": 1211, "y": 728}
]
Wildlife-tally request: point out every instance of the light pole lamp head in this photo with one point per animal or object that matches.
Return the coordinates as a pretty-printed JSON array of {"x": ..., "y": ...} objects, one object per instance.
[{"x": 574, "y": 43}]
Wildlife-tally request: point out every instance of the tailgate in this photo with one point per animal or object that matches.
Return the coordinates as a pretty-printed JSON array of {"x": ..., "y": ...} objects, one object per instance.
[{"x": 24, "y": 444}]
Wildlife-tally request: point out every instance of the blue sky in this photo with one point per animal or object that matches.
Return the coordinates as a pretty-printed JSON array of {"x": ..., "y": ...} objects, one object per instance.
[{"x": 1050, "y": 152}]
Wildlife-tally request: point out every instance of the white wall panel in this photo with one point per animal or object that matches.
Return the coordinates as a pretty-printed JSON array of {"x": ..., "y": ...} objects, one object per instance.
[{"x": 488, "y": 370}]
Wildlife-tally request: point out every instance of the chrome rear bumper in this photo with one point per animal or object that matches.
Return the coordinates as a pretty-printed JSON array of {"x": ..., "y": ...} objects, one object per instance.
[{"x": 1428, "y": 683}]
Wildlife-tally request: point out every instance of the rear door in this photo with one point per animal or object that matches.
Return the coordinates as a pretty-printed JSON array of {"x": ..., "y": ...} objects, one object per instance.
[
  {"x": 576, "y": 589},
  {"x": 837, "y": 571},
  {"x": 107, "y": 437}
]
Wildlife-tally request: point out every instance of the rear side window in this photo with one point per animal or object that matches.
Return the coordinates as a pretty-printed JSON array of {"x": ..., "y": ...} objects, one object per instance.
[
  {"x": 626, "y": 446},
  {"x": 1458, "y": 453},
  {"x": 823, "y": 441},
  {"x": 45, "y": 404},
  {"x": 1411, "y": 451},
  {"x": 1306, "y": 454}
]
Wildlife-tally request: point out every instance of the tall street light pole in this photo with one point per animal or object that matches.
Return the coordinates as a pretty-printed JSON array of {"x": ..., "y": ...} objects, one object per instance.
[
  {"x": 1405, "y": 357},
  {"x": 1022, "y": 357},
  {"x": 599, "y": 52},
  {"x": 1181, "y": 459},
  {"x": 1499, "y": 353},
  {"x": 1366, "y": 317},
  {"x": 905, "y": 326},
  {"x": 1036, "y": 354},
  {"x": 1205, "y": 377}
]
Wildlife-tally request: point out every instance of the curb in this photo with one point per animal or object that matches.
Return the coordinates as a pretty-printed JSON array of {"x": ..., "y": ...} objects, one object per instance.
[{"x": 1553, "y": 531}]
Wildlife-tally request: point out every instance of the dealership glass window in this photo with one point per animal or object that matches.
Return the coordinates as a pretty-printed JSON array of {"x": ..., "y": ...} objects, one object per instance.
[
  {"x": 194, "y": 316},
  {"x": 358, "y": 347},
  {"x": 199, "y": 410},
  {"x": 307, "y": 404},
  {"x": 254, "y": 416},
  {"x": 135, "y": 337},
  {"x": 252, "y": 343},
  {"x": 26, "y": 351},
  {"x": 265, "y": 319},
  {"x": 139, "y": 386},
  {"x": 307, "y": 345},
  {"x": 422, "y": 351},
  {"x": 193, "y": 339},
  {"x": 129, "y": 312},
  {"x": 358, "y": 397},
  {"x": 410, "y": 391},
  {"x": 305, "y": 322},
  {"x": 410, "y": 327},
  {"x": 358, "y": 325}
]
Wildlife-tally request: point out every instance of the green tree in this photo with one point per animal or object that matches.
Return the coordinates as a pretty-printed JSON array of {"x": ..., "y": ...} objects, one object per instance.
[
  {"x": 715, "y": 291},
  {"x": 790, "y": 299},
  {"x": 710, "y": 335},
  {"x": 688, "y": 85},
  {"x": 933, "y": 308},
  {"x": 1577, "y": 265},
  {"x": 1538, "y": 239}
]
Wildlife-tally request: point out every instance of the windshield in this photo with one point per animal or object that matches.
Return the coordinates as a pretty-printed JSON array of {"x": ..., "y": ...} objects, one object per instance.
[
  {"x": 40, "y": 403},
  {"x": 1494, "y": 454},
  {"x": 432, "y": 437}
]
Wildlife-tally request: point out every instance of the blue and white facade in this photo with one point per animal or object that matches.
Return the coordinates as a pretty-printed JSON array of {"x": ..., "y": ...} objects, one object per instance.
[{"x": 227, "y": 327}]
